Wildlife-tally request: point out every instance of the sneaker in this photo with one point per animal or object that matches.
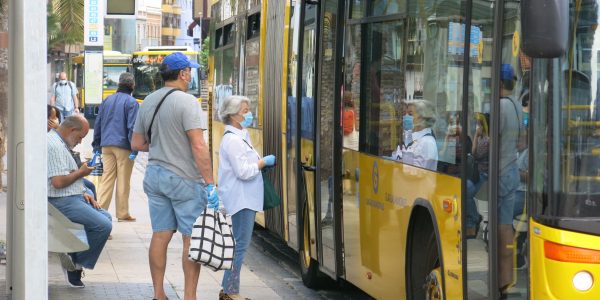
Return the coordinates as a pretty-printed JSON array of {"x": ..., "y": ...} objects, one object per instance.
[
  {"x": 74, "y": 278},
  {"x": 66, "y": 261}
]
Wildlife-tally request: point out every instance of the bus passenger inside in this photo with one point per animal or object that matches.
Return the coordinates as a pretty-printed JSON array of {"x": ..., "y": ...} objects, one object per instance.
[
  {"x": 349, "y": 123},
  {"x": 422, "y": 150}
]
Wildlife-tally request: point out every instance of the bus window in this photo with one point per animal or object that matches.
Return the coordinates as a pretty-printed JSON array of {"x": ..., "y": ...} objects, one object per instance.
[{"x": 111, "y": 76}]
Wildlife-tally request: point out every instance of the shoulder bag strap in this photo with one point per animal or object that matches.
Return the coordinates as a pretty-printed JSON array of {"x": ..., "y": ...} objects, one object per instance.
[
  {"x": 156, "y": 111},
  {"x": 517, "y": 115}
]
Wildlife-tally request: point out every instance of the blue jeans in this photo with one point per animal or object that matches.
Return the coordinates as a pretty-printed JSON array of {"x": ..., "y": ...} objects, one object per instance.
[
  {"x": 243, "y": 224},
  {"x": 65, "y": 113},
  {"x": 97, "y": 224},
  {"x": 507, "y": 193},
  {"x": 473, "y": 216},
  {"x": 174, "y": 202}
]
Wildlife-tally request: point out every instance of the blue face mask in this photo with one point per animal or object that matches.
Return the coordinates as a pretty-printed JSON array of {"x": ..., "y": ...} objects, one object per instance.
[
  {"x": 525, "y": 118},
  {"x": 407, "y": 122},
  {"x": 248, "y": 118}
]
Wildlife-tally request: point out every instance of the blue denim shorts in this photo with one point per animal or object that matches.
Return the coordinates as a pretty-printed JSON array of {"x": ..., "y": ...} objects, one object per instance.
[{"x": 175, "y": 202}]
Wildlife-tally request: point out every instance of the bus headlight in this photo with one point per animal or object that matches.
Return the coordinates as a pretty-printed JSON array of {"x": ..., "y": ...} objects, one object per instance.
[{"x": 583, "y": 281}]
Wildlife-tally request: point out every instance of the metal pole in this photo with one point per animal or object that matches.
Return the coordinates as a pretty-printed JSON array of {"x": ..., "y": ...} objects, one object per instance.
[{"x": 27, "y": 273}]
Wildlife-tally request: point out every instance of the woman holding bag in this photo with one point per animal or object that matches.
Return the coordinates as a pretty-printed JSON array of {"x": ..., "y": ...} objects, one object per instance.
[{"x": 240, "y": 184}]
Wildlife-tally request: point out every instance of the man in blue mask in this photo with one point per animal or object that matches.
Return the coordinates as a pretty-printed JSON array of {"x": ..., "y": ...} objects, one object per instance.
[
  {"x": 64, "y": 96},
  {"x": 178, "y": 179}
]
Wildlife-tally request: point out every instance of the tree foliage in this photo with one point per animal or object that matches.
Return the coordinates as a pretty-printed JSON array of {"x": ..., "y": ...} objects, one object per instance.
[{"x": 65, "y": 22}]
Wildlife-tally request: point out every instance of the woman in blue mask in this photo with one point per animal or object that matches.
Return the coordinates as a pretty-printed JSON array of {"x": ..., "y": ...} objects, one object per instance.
[
  {"x": 240, "y": 183},
  {"x": 422, "y": 150}
]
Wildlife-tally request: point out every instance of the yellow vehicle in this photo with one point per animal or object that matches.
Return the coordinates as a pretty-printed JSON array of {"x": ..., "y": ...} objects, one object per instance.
[
  {"x": 115, "y": 63},
  {"x": 146, "y": 65},
  {"x": 471, "y": 167}
]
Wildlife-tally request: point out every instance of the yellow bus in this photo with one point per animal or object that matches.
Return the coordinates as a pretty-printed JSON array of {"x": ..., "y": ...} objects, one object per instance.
[
  {"x": 115, "y": 63},
  {"x": 437, "y": 149},
  {"x": 146, "y": 65}
]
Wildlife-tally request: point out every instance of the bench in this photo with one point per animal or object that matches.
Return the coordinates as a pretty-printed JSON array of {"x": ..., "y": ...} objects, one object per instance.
[{"x": 64, "y": 236}]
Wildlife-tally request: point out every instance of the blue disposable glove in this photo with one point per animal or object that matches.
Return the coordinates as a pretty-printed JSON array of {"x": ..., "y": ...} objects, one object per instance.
[
  {"x": 132, "y": 155},
  {"x": 213, "y": 198},
  {"x": 270, "y": 160}
]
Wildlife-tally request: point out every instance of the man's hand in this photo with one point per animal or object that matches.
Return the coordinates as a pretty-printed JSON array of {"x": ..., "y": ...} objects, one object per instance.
[
  {"x": 84, "y": 170},
  {"x": 90, "y": 199}
]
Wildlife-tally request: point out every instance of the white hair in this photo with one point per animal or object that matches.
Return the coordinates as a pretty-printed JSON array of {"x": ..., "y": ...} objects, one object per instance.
[
  {"x": 425, "y": 110},
  {"x": 231, "y": 106}
]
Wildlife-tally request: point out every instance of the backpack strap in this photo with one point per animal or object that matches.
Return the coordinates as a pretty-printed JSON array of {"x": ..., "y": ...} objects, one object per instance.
[
  {"x": 156, "y": 111},
  {"x": 517, "y": 115}
]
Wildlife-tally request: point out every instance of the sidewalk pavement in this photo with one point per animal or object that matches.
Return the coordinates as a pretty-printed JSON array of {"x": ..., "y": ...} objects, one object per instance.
[{"x": 122, "y": 271}]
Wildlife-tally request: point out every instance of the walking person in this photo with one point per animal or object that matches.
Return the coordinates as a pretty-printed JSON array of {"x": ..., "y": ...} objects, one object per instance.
[
  {"x": 240, "y": 184},
  {"x": 66, "y": 192},
  {"x": 64, "y": 96},
  {"x": 112, "y": 137},
  {"x": 178, "y": 179}
]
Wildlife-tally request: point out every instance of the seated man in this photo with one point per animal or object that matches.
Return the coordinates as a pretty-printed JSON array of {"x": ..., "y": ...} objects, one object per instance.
[{"x": 67, "y": 192}]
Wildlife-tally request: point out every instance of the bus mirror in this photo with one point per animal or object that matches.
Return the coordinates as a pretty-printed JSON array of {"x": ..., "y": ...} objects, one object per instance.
[{"x": 543, "y": 38}]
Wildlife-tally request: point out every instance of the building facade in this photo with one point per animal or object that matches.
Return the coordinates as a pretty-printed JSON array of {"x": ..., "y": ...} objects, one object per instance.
[
  {"x": 187, "y": 13},
  {"x": 171, "y": 22},
  {"x": 148, "y": 23}
]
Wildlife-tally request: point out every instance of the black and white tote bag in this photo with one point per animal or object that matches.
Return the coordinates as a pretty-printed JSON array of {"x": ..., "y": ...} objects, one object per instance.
[{"x": 212, "y": 243}]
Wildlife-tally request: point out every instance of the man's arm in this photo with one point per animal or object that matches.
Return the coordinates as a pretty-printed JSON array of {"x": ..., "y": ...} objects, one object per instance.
[
  {"x": 139, "y": 143},
  {"x": 75, "y": 99},
  {"x": 76, "y": 103},
  {"x": 131, "y": 118},
  {"x": 64, "y": 181},
  {"x": 201, "y": 154}
]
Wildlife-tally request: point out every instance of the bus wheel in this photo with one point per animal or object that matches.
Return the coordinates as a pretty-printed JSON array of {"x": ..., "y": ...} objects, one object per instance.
[
  {"x": 308, "y": 266},
  {"x": 433, "y": 285},
  {"x": 424, "y": 269}
]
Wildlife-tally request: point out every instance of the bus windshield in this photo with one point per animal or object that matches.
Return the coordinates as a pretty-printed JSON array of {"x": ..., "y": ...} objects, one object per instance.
[
  {"x": 565, "y": 97},
  {"x": 148, "y": 79},
  {"x": 111, "y": 76}
]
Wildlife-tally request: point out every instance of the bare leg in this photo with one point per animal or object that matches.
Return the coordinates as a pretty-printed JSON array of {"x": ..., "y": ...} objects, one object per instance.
[
  {"x": 158, "y": 261},
  {"x": 191, "y": 272},
  {"x": 505, "y": 255}
]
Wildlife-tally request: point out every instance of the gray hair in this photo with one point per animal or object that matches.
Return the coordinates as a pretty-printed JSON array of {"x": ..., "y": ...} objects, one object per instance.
[
  {"x": 73, "y": 122},
  {"x": 231, "y": 106},
  {"x": 126, "y": 79},
  {"x": 426, "y": 112}
]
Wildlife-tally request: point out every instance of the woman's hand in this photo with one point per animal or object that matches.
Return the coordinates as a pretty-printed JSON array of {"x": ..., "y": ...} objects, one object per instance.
[{"x": 269, "y": 160}]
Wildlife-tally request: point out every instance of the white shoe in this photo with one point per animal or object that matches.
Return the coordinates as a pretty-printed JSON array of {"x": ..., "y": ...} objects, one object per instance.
[{"x": 66, "y": 262}]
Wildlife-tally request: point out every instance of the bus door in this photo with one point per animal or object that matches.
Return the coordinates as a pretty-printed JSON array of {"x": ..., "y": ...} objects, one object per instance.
[
  {"x": 495, "y": 214},
  {"x": 306, "y": 103},
  {"x": 329, "y": 138}
]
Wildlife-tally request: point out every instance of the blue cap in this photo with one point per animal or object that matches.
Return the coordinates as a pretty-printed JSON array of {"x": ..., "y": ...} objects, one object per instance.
[
  {"x": 507, "y": 72},
  {"x": 178, "y": 61}
]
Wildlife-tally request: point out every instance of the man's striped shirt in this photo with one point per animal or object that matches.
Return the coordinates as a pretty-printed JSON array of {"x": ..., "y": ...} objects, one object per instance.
[{"x": 60, "y": 162}]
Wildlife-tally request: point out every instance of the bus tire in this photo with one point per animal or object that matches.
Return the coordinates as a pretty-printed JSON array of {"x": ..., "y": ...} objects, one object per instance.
[
  {"x": 309, "y": 268},
  {"x": 424, "y": 272}
]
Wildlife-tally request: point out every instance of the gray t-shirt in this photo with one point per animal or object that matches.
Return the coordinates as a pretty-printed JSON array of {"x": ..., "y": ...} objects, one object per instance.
[
  {"x": 510, "y": 128},
  {"x": 170, "y": 146}
]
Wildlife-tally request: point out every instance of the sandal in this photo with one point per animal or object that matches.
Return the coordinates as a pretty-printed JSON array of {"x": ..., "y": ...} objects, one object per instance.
[{"x": 223, "y": 296}]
